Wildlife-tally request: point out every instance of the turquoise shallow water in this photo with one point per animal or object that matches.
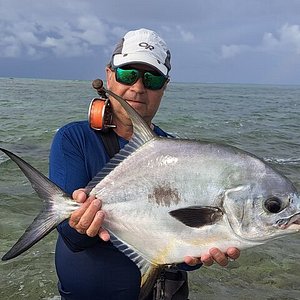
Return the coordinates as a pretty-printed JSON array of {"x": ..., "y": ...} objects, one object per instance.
[{"x": 264, "y": 120}]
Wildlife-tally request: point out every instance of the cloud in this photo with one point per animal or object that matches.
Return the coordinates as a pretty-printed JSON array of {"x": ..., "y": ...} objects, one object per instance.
[
  {"x": 63, "y": 29},
  {"x": 67, "y": 39},
  {"x": 41, "y": 34},
  {"x": 285, "y": 40},
  {"x": 209, "y": 40},
  {"x": 185, "y": 35},
  {"x": 77, "y": 38},
  {"x": 233, "y": 50}
]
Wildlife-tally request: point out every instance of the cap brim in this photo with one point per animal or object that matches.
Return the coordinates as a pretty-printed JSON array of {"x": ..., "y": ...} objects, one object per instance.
[{"x": 131, "y": 58}]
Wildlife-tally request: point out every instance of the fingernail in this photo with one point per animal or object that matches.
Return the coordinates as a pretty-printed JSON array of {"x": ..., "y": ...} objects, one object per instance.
[
  {"x": 100, "y": 214},
  {"x": 96, "y": 203}
]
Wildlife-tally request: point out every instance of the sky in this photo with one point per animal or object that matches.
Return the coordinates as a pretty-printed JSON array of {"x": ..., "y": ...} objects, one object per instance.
[{"x": 211, "y": 41}]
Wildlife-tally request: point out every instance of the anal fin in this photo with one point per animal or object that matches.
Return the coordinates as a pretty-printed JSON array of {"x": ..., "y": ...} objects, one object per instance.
[{"x": 149, "y": 271}]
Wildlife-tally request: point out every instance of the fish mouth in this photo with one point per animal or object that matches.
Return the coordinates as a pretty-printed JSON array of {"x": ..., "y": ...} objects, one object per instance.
[{"x": 289, "y": 221}]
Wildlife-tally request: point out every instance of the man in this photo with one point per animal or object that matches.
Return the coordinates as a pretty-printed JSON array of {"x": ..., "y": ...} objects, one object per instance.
[{"x": 88, "y": 265}]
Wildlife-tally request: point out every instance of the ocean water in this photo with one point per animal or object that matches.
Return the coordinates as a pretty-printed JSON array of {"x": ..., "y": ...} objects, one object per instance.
[{"x": 262, "y": 119}]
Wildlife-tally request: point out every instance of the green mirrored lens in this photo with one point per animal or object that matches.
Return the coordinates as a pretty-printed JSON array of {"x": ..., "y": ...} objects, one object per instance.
[
  {"x": 127, "y": 76},
  {"x": 153, "y": 82},
  {"x": 130, "y": 76}
]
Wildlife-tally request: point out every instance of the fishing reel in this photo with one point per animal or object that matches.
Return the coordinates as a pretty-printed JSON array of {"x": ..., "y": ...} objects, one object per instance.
[{"x": 100, "y": 110}]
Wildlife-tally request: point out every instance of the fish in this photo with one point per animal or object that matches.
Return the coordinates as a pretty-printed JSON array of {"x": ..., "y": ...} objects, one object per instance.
[{"x": 168, "y": 198}]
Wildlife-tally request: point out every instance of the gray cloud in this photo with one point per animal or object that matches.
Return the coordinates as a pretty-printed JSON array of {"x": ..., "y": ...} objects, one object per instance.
[{"x": 285, "y": 41}]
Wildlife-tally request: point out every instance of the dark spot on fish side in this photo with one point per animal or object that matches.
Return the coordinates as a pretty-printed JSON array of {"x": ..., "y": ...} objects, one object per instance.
[{"x": 164, "y": 195}]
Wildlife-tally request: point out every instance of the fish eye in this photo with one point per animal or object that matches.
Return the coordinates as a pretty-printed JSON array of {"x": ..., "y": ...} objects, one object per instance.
[{"x": 273, "y": 205}]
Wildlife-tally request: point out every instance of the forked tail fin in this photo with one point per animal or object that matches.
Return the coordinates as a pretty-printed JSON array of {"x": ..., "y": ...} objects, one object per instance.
[{"x": 53, "y": 212}]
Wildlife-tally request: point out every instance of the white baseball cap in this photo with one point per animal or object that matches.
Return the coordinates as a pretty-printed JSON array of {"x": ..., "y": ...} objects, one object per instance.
[{"x": 142, "y": 46}]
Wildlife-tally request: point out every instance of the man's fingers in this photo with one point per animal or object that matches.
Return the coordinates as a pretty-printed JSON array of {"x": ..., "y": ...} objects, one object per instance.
[
  {"x": 214, "y": 255},
  {"x": 192, "y": 261},
  {"x": 88, "y": 216},
  {"x": 219, "y": 256},
  {"x": 233, "y": 253},
  {"x": 78, "y": 213},
  {"x": 104, "y": 234},
  {"x": 80, "y": 195},
  {"x": 207, "y": 260},
  {"x": 96, "y": 224}
]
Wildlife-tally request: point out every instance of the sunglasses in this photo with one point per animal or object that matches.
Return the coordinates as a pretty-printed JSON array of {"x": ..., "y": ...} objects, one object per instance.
[{"x": 151, "y": 80}]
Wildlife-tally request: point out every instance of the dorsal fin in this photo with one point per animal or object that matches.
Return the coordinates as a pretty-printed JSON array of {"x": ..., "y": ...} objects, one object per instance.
[
  {"x": 142, "y": 133},
  {"x": 130, "y": 148}
]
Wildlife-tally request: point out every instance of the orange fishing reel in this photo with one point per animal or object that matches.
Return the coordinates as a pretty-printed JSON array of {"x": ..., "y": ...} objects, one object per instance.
[{"x": 100, "y": 111}]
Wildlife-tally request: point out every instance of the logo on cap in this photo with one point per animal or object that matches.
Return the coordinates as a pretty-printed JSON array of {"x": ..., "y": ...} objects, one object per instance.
[{"x": 146, "y": 46}]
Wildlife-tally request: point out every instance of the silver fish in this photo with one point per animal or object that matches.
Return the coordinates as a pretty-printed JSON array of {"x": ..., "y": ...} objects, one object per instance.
[{"x": 169, "y": 198}]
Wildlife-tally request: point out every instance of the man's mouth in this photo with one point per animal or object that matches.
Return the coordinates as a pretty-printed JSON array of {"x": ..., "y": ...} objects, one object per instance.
[{"x": 135, "y": 102}]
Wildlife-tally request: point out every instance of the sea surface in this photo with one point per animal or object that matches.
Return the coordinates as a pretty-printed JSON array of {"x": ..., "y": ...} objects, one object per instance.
[{"x": 262, "y": 119}]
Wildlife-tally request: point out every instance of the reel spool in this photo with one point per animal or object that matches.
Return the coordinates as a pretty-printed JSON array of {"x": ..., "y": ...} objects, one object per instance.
[
  {"x": 100, "y": 114},
  {"x": 100, "y": 111}
]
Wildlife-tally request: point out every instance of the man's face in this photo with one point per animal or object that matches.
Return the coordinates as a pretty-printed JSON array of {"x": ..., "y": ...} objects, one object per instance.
[{"x": 146, "y": 102}]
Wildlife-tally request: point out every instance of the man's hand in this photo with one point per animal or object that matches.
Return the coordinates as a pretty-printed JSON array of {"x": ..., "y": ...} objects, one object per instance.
[
  {"x": 88, "y": 218},
  {"x": 215, "y": 255}
]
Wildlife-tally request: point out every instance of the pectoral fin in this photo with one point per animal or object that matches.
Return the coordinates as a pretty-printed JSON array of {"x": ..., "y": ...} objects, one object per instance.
[{"x": 197, "y": 216}]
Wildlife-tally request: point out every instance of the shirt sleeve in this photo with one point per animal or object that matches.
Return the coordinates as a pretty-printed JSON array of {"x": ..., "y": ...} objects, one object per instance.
[
  {"x": 67, "y": 170},
  {"x": 186, "y": 267}
]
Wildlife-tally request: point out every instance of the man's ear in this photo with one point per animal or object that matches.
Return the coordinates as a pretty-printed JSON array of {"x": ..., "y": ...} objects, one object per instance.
[{"x": 109, "y": 73}]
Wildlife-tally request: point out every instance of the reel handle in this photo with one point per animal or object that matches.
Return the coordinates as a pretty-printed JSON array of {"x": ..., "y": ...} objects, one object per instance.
[{"x": 97, "y": 84}]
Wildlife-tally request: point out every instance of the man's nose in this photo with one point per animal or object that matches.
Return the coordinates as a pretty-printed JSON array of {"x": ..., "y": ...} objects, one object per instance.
[{"x": 139, "y": 86}]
